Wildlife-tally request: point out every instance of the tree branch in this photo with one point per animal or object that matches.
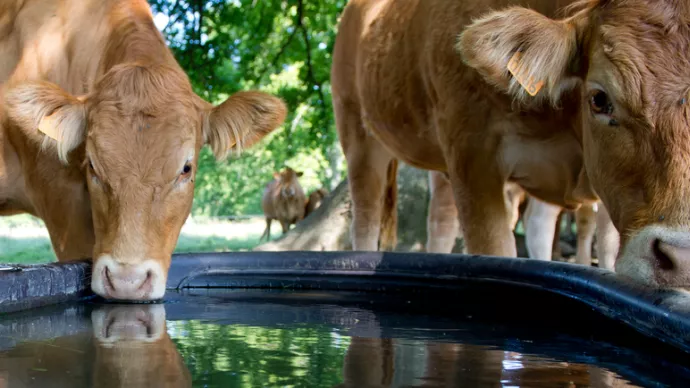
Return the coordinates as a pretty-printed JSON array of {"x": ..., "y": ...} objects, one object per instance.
[
  {"x": 172, "y": 21},
  {"x": 274, "y": 62},
  {"x": 310, "y": 67}
]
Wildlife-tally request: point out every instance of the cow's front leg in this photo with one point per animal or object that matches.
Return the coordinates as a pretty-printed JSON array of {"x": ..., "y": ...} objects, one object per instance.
[{"x": 484, "y": 217}]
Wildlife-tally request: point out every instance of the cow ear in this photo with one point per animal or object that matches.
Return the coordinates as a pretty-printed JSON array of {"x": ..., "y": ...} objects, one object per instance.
[
  {"x": 300, "y": 173},
  {"x": 241, "y": 121},
  {"x": 48, "y": 114},
  {"x": 523, "y": 53}
]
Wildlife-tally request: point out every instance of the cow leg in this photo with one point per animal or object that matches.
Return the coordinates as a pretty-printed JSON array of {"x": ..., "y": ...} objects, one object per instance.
[
  {"x": 267, "y": 230},
  {"x": 285, "y": 225},
  {"x": 585, "y": 219},
  {"x": 513, "y": 198},
  {"x": 478, "y": 187},
  {"x": 367, "y": 168},
  {"x": 556, "y": 252},
  {"x": 540, "y": 226},
  {"x": 442, "y": 225},
  {"x": 608, "y": 239}
]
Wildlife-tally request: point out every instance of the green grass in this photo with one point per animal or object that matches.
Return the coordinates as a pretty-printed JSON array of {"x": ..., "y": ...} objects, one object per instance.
[
  {"x": 26, "y": 250},
  {"x": 33, "y": 247}
]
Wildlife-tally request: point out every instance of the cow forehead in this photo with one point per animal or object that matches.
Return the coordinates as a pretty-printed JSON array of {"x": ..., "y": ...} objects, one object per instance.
[
  {"x": 151, "y": 148},
  {"x": 647, "y": 43}
]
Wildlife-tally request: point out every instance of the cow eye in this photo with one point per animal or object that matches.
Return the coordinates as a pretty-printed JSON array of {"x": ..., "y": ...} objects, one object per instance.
[
  {"x": 599, "y": 103},
  {"x": 186, "y": 169}
]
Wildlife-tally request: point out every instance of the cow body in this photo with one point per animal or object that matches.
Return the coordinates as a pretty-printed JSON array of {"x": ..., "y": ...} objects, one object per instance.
[
  {"x": 101, "y": 133},
  {"x": 593, "y": 99},
  {"x": 283, "y": 200},
  {"x": 401, "y": 91}
]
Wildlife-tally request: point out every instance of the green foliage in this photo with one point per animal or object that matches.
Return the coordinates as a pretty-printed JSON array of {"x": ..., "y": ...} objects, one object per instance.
[
  {"x": 281, "y": 47},
  {"x": 248, "y": 356}
]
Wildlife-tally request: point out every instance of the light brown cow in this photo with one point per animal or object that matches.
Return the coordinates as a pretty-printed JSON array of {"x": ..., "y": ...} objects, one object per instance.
[
  {"x": 314, "y": 201},
  {"x": 101, "y": 134},
  {"x": 283, "y": 200},
  {"x": 428, "y": 82}
]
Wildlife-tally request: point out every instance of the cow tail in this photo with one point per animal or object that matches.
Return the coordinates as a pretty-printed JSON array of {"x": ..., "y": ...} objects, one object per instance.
[{"x": 388, "y": 237}]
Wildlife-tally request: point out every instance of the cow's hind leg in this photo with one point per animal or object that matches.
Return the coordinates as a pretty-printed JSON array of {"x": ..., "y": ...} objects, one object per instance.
[
  {"x": 442, "y": 225},
  {"x": 540, "y": 226},
  {"x": 367, "y": 166}
]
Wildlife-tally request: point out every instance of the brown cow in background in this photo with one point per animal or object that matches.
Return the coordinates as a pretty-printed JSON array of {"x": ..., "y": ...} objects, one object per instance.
[
  {"x": 314, "y": 201},
  {"x": 283, "y": 200}
]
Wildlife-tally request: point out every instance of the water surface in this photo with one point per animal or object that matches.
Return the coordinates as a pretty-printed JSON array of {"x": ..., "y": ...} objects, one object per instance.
[{"x": 255, "y": 338}]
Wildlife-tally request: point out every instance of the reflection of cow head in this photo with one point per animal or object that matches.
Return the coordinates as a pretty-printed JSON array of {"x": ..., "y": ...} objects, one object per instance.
[
  {"x": 632, "y": 64},
  {"x": 133, "y": 348},
  {"x": 138, "y": 134}
]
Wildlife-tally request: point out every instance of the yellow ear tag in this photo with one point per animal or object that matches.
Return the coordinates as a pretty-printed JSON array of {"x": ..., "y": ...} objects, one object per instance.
[
  {"x": 529, "y": 84},
  {"x": 48, "y": 127}
]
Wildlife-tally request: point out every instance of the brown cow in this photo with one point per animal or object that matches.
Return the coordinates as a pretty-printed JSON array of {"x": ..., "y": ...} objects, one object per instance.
[
  {"x": 283, "y": 200},
  {"x": 429, "y": 82},
  {"x": 101, "y": 134},
  {"x": 314, "y": 201}
]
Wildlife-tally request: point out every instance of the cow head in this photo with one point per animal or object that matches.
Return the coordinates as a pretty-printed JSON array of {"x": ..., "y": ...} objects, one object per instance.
[
  {"x": 288, "y": 182},
  {"x": 630, "y": 62},
  {"x": 139, "y": 133}
]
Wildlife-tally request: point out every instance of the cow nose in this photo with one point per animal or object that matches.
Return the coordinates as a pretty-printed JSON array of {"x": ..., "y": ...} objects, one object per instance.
[
  {"x": 133, "y": 281},
  {"x": 133, "y": 322},
  {"x": 657, "y": 256},
  {"x": 671, "y": 263}
]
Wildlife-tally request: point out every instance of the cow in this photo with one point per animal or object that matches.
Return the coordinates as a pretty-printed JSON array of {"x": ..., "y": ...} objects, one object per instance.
[
  {"x": 576, "y": 101},
  {"x": 101, "y": 134},
  {"x": 283, "y": 200},
  {"x": 314, "y": 201}
]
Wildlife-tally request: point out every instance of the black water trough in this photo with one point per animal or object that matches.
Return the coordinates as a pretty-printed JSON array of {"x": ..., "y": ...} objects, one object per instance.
[{"x": 662, "y": 315}]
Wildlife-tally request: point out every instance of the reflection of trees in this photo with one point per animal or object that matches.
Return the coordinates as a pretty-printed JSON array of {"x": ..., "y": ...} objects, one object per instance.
[{"x": 236, "y": 355}]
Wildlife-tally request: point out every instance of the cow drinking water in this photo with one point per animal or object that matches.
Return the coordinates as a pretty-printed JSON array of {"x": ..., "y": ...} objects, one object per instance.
[
  {"x": 574, "y": 105},
  {"x": 100, "y": 133}
]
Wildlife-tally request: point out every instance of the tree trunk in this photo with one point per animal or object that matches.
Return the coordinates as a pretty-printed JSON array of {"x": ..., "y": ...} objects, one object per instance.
[{"x": 326, "y": 229}]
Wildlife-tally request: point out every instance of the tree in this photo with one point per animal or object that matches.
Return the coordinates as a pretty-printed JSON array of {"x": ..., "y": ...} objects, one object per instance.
[{"x": 279, "y": 46}]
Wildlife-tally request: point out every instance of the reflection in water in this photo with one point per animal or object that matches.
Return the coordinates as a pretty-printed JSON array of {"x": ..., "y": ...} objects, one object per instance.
[
  {"x": 128, "y": 347},
  {"x": 371, "y": 363},
  {"x": 133, "y": 349},
  {"x": 133, "y": 346}
]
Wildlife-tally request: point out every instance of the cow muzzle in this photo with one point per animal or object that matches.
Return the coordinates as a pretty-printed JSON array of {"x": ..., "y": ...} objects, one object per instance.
[
  {"x": 136, "y": 323},
  {"x": 657, "y": 256},
  {"x": 128, "y": 281}
]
